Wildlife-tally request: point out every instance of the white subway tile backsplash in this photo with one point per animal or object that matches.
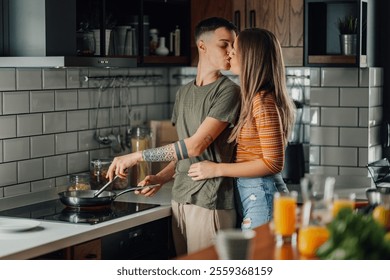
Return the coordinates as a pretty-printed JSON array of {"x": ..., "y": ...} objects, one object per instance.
[
  {"x": 157, "y": 112},
  {"x": 65, "y": 100},
  {"x": 41, "y": 101},
  {"x": 102, "y": 120},
  {"x": 87, "y": 98},
  {"x": 353, "y": 136},
  {"x": 30, "y": 170},
  {"x": 55, "y": 166},
  {"x": 353, "y": 171},
  {"x": 371, "y": 77},
  {"x": 17, "y": 189},
  {"x": 315, "y": 77},
  {"x": 146, "y": 95},
  {"x": 374, "y": 136},
  {"x": 1, "y": 151},
  {"x": 42, "y": 146},
  {"x": 331, "y": 116},
  {"x": 315, "y": 116},
  {"x": 78, "y": 162},
  {"x": 75, "y": 78},
  {"x": 375, "y": 115},
  {"x": 342, "y": 77},
  {"x": 324, "y": 96},
  {"x": 77, "y": 120},
  {"x": 54, "y": 122},
  {"x": 8, "y": 174},
  {"x": 86, "y": 140},
  {"x": 375, "y": 96},
  {"x": 29, "y": 124},
  {"x": 363, "y": 117},
  {"x": 16, "y": 102},
  {"x": 43, "y": 185},
  {"x": 363, "y": 157},
  {"x": 8, "y": 126},
  {"x": 314, "y": 157},
  {"x": 7, "y": 79},
  {"x": 16, "y": 149},
  {"x": 339, "y": 156},
  {"x": 54, "y": 78},
  {"x": 66, "y": 143},
  {"x": 161, "y": 94},
  {"x": 328, "y": 136},
  {"x": 328, "y": 170},
  {"x": 354, "y": 97},
  {"x": 28, "y": 79}
]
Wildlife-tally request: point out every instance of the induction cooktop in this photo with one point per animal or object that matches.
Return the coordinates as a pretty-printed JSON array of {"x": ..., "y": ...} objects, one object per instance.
[{"x": 54, "y": 210}]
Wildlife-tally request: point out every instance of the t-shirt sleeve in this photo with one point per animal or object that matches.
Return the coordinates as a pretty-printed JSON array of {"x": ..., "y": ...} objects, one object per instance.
[{"x": 226, "y": 104}]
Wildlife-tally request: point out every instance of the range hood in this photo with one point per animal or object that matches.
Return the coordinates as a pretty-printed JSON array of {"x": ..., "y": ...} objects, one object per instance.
[{"x": 42, "y": 33}]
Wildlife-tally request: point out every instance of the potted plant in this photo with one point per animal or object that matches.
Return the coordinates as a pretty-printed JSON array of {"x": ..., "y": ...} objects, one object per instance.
[{"x": 348, "y": 27}]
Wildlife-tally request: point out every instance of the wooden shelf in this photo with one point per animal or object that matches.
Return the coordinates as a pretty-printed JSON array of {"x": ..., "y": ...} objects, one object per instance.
[{"x": 336, "y": 59}]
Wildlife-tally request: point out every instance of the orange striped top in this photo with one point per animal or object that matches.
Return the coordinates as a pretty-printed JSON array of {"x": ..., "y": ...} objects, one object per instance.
[{"x": 262, "y": 138}]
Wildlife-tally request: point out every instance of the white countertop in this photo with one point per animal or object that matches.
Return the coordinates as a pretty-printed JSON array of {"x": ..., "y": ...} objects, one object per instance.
[{"x": 50, "y": 236}]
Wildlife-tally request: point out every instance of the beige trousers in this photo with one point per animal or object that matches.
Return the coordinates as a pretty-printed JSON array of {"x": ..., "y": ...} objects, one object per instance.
[{"x": 194, "y": 227}]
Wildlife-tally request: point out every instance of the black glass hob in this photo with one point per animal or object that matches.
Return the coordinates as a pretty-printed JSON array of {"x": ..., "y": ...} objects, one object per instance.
[{"x": 54, "y": 210}]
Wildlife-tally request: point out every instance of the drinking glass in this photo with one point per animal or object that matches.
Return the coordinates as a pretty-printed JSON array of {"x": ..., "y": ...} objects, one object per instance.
[
  {"x": 342, "y": 201},
  {"x": 312, "y": 232},
  {"x": 235, "y": 244},
  {"x": 285, "y": 216}
]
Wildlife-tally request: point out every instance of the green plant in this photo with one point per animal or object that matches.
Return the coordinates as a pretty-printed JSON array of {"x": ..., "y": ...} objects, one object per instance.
[{"x": 348, "y": 25}]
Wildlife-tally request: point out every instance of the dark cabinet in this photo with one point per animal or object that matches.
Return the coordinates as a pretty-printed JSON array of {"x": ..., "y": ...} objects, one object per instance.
[
  {"x": 150, "y": 241},
  {"x": 283, "y": 18},
  {"x": 108, "y": 33},
  {"x": 202, "y": 9},
  {"x": 323, "y": 44},
  {"x": 127, "y": 25}
]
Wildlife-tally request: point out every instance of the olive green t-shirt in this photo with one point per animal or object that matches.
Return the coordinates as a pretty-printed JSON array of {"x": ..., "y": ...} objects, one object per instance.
[{"x": 219, "y": 100}]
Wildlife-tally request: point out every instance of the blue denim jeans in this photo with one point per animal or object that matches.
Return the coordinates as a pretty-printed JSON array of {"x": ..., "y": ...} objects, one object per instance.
[{"x": 255, "y": 198}]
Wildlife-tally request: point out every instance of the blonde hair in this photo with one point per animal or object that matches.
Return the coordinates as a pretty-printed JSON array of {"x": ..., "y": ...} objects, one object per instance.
[{"x": 262, "y": 70}]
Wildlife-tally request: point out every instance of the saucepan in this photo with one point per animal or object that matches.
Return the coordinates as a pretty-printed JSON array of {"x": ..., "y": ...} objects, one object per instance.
[{"x": 88, "y": 198}]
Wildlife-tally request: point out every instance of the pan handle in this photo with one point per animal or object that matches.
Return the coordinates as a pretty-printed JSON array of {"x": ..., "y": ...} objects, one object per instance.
[{"x": 134, "y": 189}]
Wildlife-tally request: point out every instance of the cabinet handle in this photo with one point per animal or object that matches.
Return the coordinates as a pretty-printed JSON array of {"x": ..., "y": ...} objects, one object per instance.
[
  {"x": 237, "y": 20},
  {"x": 252, "y": 18}
]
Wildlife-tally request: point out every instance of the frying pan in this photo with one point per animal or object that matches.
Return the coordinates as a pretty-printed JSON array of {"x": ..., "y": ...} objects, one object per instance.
[{"x": 87, "y": 198}]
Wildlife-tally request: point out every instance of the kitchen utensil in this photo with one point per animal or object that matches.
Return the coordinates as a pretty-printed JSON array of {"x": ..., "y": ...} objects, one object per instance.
[
  {"x": 373, "y": 196},
  {"x": 88, "y": 199},
  {"x": 97, "y": 193},
  {"x": 380, "y": 174}
]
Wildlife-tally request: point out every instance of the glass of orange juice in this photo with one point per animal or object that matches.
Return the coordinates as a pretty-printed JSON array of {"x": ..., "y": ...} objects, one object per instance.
[
  {"x": 313, "y": 232},
  {"x": 284, "y": 213},
  {"x": 342, "y": 201}
]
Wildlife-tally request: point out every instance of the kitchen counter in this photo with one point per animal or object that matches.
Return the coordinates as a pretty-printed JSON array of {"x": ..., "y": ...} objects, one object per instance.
[{"x": 51, "y": 236}]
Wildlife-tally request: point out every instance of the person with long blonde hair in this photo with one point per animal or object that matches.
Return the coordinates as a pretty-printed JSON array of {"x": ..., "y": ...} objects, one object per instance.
[{"x": 265, "y": 122}]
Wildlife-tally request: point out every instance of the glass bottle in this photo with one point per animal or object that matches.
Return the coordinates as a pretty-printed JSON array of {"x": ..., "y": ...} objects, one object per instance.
[
  {"x": 98, "y": 172},
  {"x": 79, "y": 182},
  {"x": 140, "y": 140}
]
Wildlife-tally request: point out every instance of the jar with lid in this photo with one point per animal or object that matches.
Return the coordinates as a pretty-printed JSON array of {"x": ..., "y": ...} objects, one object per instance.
[
  {"x": 98, "y": 172},
  {"x": 85, "y": 43},
  {"x": 79, "y": 182},
  {"x": 140, "y": 140}
]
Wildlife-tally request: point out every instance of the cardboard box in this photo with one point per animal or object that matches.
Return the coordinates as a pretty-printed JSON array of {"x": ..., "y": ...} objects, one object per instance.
[{"x": 163, "y": 133}]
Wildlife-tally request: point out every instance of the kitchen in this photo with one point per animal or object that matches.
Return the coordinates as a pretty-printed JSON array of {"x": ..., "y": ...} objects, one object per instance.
[{"x": 50, "y": 115}]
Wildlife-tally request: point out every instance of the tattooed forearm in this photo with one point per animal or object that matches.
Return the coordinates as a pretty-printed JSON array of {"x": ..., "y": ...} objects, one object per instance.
[
  {"x": 164, "y": 153},
  {"x": 208, "y": 140}
]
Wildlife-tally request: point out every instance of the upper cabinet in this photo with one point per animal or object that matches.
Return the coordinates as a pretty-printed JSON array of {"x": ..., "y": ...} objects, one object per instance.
[
  {"x": 340, "y": 33},
  {"x": 202, "y": 9},
  {"x": 152, "y": 31},
  {"x": 108, "y": 33},
  {"x": 283, "y": 17}
]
